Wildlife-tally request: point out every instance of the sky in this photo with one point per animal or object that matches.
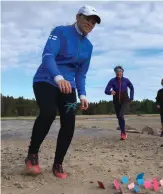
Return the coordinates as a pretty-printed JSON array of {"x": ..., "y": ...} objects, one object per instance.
[{"x": 130, "y": 34}]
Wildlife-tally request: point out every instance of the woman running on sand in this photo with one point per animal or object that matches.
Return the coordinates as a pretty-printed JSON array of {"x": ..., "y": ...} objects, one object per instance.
[
  {"x": 65, "y": 62},
  {"x": 159, "y": 102},
  {"x": 119, "y": 86}
]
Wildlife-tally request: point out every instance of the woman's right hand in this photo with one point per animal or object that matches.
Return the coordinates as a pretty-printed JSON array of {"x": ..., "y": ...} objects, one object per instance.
[
  {"x": 64, "y": 86},
  {"x": 113, "y": 92},
  {"x": 158, "y": 106}
]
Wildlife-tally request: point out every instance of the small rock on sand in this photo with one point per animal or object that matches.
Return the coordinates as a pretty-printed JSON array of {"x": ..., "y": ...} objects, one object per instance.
[
  {"x": 161, "y": 165},
  {"x": 150, "y": 131},
  {"x": 19, "y": 185},
  {"x": 94, "y": 127}
]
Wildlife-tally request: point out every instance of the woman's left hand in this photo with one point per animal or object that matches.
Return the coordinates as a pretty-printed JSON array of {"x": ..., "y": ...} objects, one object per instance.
[{"x": 84, "y": 104}]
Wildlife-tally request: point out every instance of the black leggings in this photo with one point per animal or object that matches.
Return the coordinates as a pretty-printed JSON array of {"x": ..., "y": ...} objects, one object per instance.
[
  {"x": 49, "y": 98},
  {"x": 120, "y": 111}
]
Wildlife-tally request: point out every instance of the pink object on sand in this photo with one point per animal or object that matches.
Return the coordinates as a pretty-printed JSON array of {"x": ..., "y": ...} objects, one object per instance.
[
  {"x": 131, "y": 186},
  {"x": 116, "y": 184},
  {"x": 155, "y": 184},
  {"x": 147, "y": 184},
  {"x": 161, "y": 182}
]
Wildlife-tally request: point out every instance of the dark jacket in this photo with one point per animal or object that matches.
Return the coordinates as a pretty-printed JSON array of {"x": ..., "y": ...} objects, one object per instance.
[
  {"x": 159, "y": 99},
  {"x": 120, "y": 87}
]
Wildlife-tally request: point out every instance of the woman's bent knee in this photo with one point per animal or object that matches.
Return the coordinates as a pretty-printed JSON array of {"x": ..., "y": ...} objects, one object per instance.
[{"x": 48, "y": 114}]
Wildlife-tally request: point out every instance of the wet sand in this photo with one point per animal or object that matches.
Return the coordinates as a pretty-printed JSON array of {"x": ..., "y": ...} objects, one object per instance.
[{"x": 96, "y": 153}]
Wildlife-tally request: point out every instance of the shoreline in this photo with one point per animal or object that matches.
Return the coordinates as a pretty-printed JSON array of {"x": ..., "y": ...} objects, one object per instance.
[{"x": 85, "y": 125}]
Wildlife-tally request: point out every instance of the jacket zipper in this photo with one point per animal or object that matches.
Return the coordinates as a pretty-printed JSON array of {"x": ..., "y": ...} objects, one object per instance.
[{"x": 120, "y": 90}]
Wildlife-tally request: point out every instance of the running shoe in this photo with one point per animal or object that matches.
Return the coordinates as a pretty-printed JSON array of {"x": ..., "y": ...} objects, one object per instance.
[
  {"x": 32, "y": 164},
  {"x": 58, "y": 171},
  {"x": 123, "y": 136}
]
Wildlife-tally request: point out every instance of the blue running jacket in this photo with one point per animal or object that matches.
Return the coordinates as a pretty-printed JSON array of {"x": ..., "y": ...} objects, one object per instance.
[
  {"x": 120, "y": 86},
  {"x": 67, "y": 55}
]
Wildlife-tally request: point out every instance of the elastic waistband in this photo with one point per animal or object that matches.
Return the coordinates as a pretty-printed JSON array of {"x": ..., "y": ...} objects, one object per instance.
[{"x": 49, "y": 82}]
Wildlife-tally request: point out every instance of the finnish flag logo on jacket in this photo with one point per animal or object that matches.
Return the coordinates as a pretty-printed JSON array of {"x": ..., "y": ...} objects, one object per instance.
[{"x": 53, "y": 37}]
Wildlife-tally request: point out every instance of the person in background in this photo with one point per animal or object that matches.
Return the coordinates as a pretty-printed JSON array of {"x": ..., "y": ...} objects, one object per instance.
[
  {"x": 65, "y": 62},
  {"x": 159, "y": 102},
  {"x": 118, "y": 88}
]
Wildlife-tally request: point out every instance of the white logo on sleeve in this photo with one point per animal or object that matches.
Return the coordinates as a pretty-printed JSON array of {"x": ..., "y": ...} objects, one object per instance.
[{"x": 53, "y": 37}]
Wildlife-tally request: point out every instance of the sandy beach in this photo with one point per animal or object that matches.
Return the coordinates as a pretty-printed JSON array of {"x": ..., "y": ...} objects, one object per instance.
[{"x": 96, "y": 153}]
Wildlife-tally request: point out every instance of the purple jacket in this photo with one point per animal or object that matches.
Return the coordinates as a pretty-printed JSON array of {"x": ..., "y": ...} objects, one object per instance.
[{"x": 120, "y": 87}]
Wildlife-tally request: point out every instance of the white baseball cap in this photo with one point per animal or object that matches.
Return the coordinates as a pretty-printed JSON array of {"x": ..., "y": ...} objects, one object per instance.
[{"x": 88, "y": 11}]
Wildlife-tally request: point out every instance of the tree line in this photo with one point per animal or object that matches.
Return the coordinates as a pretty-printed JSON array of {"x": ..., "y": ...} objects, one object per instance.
[{"x": 12, "y": 107}]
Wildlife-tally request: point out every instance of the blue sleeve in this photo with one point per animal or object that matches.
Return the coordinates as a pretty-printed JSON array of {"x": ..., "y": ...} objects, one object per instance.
[
  {"x": 108, "y": 87},
  {"x": 51, "y": 50},
  {"x": 80, "y": 76},
  {"x": 130, "y": 85}
]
